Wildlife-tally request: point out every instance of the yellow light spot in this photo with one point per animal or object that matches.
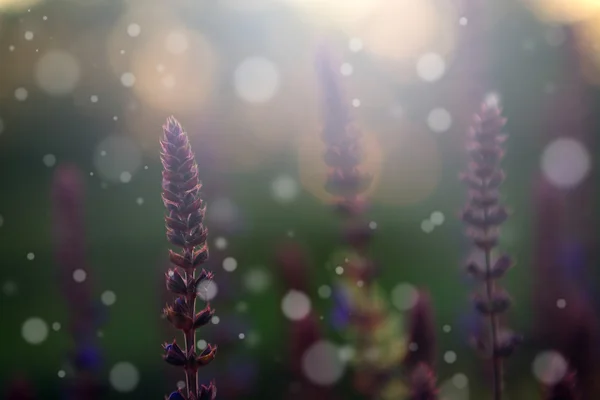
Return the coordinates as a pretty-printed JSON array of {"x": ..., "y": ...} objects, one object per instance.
[
  {"x": 313, "y": 170},
  {"x": 568, "y": 11}
]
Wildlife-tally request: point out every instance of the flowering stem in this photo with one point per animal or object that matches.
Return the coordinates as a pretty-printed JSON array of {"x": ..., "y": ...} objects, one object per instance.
[
  {"x": 185, "y": 229},
  {"x": 496, "y": 361},
  {"x": 191, "y": 373}
]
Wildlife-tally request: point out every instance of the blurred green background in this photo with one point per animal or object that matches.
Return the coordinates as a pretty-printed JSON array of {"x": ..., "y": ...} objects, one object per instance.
[{"x": 90, "y": 83}]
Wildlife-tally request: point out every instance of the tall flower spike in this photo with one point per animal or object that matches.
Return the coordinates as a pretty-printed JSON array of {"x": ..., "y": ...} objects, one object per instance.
[
  {"x": 84, "y": 318},
  {"x": 366, "y": 312},
  {"x": 483, "y": 217},
  {"x": 185, "y": 229},
  {"x": 423, "y": 384},
  {"x": 421, "y": 333},
  {"x": 420, "y": 359}
]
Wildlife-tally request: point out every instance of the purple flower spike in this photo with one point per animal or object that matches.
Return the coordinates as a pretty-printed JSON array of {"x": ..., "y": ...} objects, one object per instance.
[
  {"x": 483, "y": 217},
  {"x": 184, "y": 222}
]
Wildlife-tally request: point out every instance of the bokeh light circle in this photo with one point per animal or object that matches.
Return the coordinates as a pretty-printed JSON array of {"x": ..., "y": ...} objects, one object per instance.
[
  {"x": 230, "y": 264},
  {"x": 431, "y": 67},
  {"x": 124, "y": 377},
  {"x": 256, "y": 80},
  {"x": 404, "y": 296},
  {"x": 57, "y": 72},
  {"x": 108, "y": 297},
  {"x": 257, "y": 280},
  {"x": 295, "y": 305},
  {"x": 549, "y": 367},
  {"x": 34, "y": 330},
  {"x": 321, "y": 363},
  {"x": 207, "y": 290},
  {"x": 565, "y": 162},
  {"x": 285, "y": 189},
  {"x": 439, "y": 120}
]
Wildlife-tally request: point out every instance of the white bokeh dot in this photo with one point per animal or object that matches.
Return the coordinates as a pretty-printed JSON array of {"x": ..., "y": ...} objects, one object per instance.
[
  {"x": 94, "y": 98},
  {"x": 134, "y": 30},
  {"x": 355, "y": 45},
  {"x": 128, "y": 79},
  {"x": 321, "y": 363},
  {"x": 181, "y": 385},
  {"x": 447, "y": 328},
  {"x": 241, "y": 336},
  {"x": 28, "y": 35},
  {"x": 285, "y": 189},
  {"x": 257, "y": 280},
  {"x": 427, "y": 226},
  {"x": 346, "y": 353},
  {"x": 356, "y": 103},
  {"x": 57, "y": 72},
  {"x": 373, "y": 225},
  {"x": 124, "y": 377},
  {"x": 207, "y": 290},
  {"x": 256, "y": 80},
  {"x": 324, "y": 291},
  {"x": 460, "y": 381},
  {"x": 56, "y": 326},
  {"x": 404, "y": 296},
  {"x": 565, "y": 162},
  {"x": 431, "y": 67},
  {"x": 493, "y": 99},
  {"x": 21, "y": 94},
  {"x": 202, "y": 344},
  {"x": 561, "y": 303},
  {"x": 346, "y": 69},
  {"x": 439, "y": 120},
  {"x": 450, "y": 357},
  {"x": 295, "y": 305},
  {"x": 62, "y": 373},
  {"x": 463, "y": 21},
  {"x": 108, "y": 297},
  {"x": 437, "y": 218},
  {"x": 49, "y": 160},
  {"x": 139, "y": 201},
  {"x": 30, "y": 256},
  {"x": 176, "y": 42},
  {"x": 215, "y": 320},
  {"x": 34, "y": 330},
  {"x": 339, "y": 270},
  {"x": 79, "y": 275},
  {"x": 230, "y": 264},
  {"x": 549, "y": 367},
  {"x": 221, "y": 243}
]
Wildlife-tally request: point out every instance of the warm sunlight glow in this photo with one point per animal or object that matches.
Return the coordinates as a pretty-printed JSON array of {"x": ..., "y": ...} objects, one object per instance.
[
  {"x": 568, "y": 11},
  {"x": 404, "y": 29},
  {"x": 313, "y": 171},
  {"x": 17, "y": 5},
  {"x": 343, "y": 13}
]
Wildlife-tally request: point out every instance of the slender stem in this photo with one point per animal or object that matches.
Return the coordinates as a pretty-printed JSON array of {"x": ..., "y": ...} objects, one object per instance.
[
  {"x": 191, "y": 375},
  {"x": 496, "y": 361}
]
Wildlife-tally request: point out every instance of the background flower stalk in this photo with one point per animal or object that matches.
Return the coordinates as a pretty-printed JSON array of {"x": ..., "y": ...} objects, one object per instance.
[
  {"x": 185, "y": 229},
  {"x": 483, "y": 216}
]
